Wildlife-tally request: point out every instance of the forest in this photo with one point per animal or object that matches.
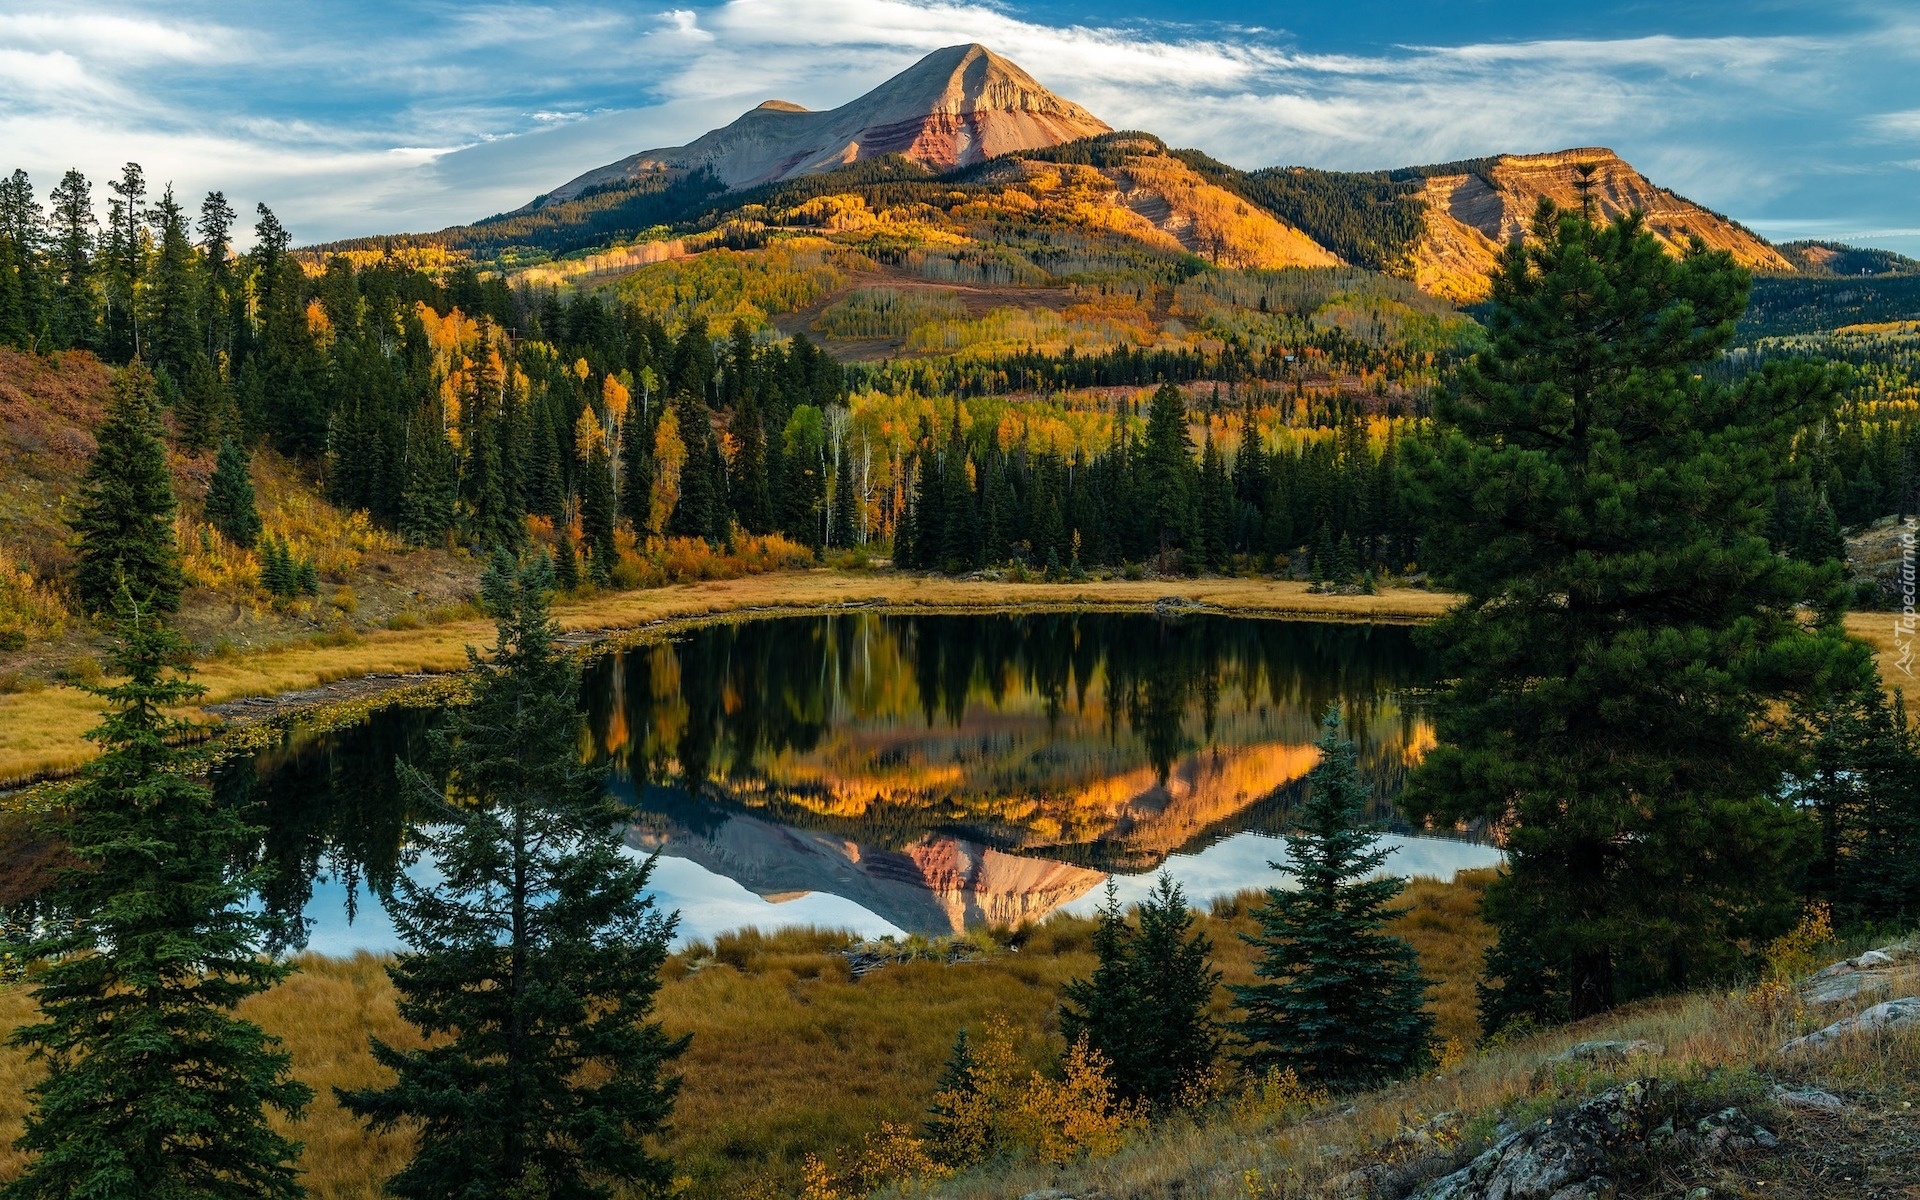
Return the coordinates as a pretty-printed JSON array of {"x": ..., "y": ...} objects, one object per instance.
[{"x": 1050, "y": 399}]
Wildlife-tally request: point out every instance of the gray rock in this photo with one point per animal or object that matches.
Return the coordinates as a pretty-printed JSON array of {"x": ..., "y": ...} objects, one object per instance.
[
  {"x": 1575, "y": 1156},
  {"x": 1858, "y": 976},
  {"x": 1047, "y": 1194},
  {"x": 1607, "y": 1052},
  {"x": 1808, "y": 1099},
  {"x": 1887, "y": 1017}
]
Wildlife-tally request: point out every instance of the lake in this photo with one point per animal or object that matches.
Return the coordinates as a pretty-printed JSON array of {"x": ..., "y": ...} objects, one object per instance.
[{"x": 905, "y": 774}]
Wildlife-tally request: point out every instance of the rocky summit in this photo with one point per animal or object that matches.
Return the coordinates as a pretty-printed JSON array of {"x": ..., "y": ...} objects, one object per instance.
[{"x": 955, "y": 107}]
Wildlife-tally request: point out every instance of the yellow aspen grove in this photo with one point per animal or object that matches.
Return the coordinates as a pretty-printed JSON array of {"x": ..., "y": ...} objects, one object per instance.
[{"x": 669, "y": 455}]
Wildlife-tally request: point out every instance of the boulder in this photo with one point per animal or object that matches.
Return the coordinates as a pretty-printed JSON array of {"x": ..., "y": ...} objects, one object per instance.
[
  {"x": 1808, "y": 1099},
  {"x": 1581, "y": 1154},
  {"x": 1607, "y": 1052},
  {"x": 1891, "y": 1016},
  {"x": 1859, "y": 976}
]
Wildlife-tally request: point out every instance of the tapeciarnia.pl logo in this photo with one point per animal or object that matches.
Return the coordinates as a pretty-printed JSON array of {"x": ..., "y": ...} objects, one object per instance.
[{"x": 1903, "y": 621}]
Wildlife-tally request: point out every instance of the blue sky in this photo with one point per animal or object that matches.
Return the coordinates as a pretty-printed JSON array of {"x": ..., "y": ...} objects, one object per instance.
[{"x": 349, "y": 117}]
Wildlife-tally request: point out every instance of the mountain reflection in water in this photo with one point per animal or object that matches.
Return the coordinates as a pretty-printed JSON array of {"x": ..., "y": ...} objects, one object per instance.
[{"x": 918, "y": 774}]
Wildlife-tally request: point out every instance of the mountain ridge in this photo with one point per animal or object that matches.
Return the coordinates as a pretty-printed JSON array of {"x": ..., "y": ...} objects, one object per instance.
[
  {"x": 957, "y": 106},
  {"x": 965, "y": 117}
]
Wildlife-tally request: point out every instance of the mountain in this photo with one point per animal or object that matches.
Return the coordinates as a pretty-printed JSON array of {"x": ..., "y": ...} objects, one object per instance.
[
  {"x": 955, "y": 107},
  {"x": 1837, "y": 260},
  {"x": 1470, "y": 215},
  {"x": 965, "y": 144}
]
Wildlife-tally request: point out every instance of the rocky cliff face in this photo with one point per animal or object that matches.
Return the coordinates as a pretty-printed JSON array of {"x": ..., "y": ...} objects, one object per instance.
[
  {"x": 954, "y": 107},
  {"x": 937, "y": 884},
  {"x": 1469, "y": 217}
]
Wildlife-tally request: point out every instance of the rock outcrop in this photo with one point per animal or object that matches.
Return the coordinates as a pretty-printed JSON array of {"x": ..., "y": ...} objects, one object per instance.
[
  {"x": 1470, "y": 216},
  {"x": 1583, "y": 1154},
  {"x": 957, "y": 106},
  {"x": 1891, "y": 1016}
]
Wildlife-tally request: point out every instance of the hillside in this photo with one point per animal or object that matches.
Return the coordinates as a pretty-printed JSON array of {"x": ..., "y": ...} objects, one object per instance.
[
  {"x": 955, "y": 107},
  {"x": 1470, "y": 215},
  {"x": 1838, "y": 260}
]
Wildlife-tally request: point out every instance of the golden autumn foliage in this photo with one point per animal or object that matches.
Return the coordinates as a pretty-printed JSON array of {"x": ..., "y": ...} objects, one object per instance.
[
  {"x": 588, "y": 435},
  {"x": 669, "y": 456},
  {"x": 616, "y": 396},
  {"x": 29, "y": 608}
]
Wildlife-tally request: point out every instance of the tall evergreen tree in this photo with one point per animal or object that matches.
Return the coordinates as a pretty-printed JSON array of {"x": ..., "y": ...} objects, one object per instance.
[
  {"x": 426, "y": 495},
  {"x": 636, "y": 470},
  {"x": 693, "y": 516},
  {"x": 154, "y": 1088},
  {"x": 124, "y": 259},
  {"x": 205, "y": 410},
  {"x": 220, "y": 292},
  {"x": 1342, "y": 1003},
  {"x": 25, "y": 317},
  {"x": 1167, "y": 473},
  {"x": 174, "y": 294},
  {"x": 230, "y": 504},
  {"x": 752, "y": 492},
  {"x": 533, "y": 961},
  {"x": 1145, "y": 1007},
  {"x": 75, "y": 311},
  {"x": 1625, "y": 629},
  {"x": 597, "y": 514},
  {"x": 125, "y": 522}
]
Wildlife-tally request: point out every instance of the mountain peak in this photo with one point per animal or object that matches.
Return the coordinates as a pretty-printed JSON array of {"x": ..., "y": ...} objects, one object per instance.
[{"x": 956, "y": 106}]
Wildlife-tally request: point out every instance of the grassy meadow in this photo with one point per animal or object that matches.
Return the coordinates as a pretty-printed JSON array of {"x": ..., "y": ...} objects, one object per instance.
[{"x": 791, "y": 1056}]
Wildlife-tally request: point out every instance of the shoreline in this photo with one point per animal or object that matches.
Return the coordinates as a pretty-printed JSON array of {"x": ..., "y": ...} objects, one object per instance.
[{"x": 41, "y": 733}]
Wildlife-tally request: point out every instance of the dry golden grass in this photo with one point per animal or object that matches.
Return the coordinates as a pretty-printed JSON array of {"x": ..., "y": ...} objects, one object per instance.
[
  {"x": 43, "y": 731},
  {"x": 790, "y": 1055},
  {"x": 1876, "y": 629},
  {"x": 1721, "y": 1046}
]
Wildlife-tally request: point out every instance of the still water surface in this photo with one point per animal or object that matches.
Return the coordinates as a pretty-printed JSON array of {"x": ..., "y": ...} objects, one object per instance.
[{"x": 906, "y": 774}]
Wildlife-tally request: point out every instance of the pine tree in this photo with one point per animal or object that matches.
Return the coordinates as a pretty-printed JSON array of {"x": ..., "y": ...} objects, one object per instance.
[
  {"x": 949, "y": 1128},
  {"x": 154, "y": 1087},
  {"x": 1167, "y": 473},
  {"x": 693, "y": 516},
  {"x": 1173, "y": 966},
  {"x": 1343, "y": 1002},
  {"x": 753, "y": 495},
  {"x": 1862, "y": 781},
  {"x": 534, "y": 957},
  {"x": 25, "y": 319},
  {"x": 636, "y": 470},
  {"x": 1102, "y": 1008},
  {"x": 203, "y": 406},
  {"x": 1145, "y": 1007},
  {"x": 75, "y": 311},
  {"x": 173, "y": 292},
  {"x": 566, "y": 566},
  {"x": 276, "y": 567},
  {"x": 1601, "y": 505},
  {"x": 426, "y": 494},
  {"x": 124, "y": 260},
  {"x": 597, "y": 515},
  {"x": 230, "y": 505},
  {"x": 125, "y": 522},
  {"x": 1216, "y": 507}
]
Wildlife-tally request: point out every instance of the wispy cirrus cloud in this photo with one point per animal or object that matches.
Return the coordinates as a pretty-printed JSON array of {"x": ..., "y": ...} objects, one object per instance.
[{"x": 352, "y": 116}]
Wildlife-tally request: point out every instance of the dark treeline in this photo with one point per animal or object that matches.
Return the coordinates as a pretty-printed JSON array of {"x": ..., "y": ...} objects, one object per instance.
[
  {"x": 1310, "y": 352},
  {"x": 1153, "y": 499}
]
